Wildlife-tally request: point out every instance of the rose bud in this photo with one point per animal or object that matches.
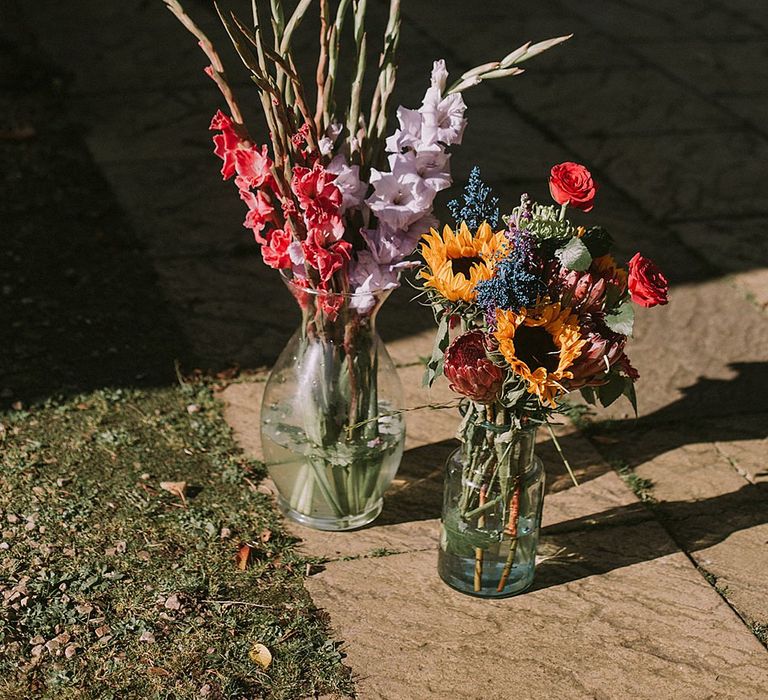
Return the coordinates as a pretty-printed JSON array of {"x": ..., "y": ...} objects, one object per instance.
[
  {"x": 572, "y": 184},
  {"x": 647, "y": 284},
  {"x": 469, "y": 370}
]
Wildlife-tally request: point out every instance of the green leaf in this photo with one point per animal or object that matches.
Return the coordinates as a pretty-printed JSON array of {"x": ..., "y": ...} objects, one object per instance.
[
  {"x": 588, "y": 392},
  {"x": 574, "y": 255},
  {"x": 623, "y": 320},
  {"x": 611, "y": 391},
  {"x": 510, "y": 396},
  {"x": 598, "y": 241},
  {"x": 629, "y": 392},
  {"x": 436, "y": 362}
]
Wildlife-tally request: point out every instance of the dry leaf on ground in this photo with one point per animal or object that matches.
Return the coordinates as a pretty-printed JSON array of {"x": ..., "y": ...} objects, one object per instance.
[
  {"x": 177, "y": 488},
  {"x": 243, "y": 556},
  {"x": 259, "y": 654}
]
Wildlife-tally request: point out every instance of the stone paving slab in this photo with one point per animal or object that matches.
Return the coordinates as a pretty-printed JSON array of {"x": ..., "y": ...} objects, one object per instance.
[
  {"x": 651, "y": 23},
  {"x": 655, "y": 102},
  {"x": 701, "y": 356},
  {"x": 646, "y": 629},
  {"x": 743, "y": 240},
  {"x": 645, "y": 165},
  {"x": 712, "y": 497}
]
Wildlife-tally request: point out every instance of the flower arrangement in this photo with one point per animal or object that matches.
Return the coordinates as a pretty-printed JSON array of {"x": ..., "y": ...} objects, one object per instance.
[
  {"x": 337, "y": 205},
  {"x": 542, "y": 309}
]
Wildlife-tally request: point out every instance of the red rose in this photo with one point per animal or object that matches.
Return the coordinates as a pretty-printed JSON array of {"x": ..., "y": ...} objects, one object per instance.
[
  {"x": 647, "y": 284},
  {"x": 469, "y": 371},
  {"x": 571, "y": 184}
]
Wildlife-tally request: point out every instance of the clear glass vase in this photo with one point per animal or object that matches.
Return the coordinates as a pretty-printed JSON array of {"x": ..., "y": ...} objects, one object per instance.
[
  {"x": 331, "y": 429},
  {"x": 493, "y": 498}
]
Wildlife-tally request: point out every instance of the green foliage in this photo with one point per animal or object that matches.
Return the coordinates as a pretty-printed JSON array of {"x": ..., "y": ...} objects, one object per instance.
[
  {"x": 545, "y": 223},
  {"x": 598, "y": 241},
  {"x": 623, "y": 320},
  {"x": 114, "y": 586},
  {"x": 436, "y": 362},
  {"x": 574, "y": 255}
]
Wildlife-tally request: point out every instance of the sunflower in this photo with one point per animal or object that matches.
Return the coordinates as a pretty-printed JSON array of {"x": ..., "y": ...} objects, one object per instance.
[
  {"x": 540, "y": 346},
  {"x": 456, "y": 262}
]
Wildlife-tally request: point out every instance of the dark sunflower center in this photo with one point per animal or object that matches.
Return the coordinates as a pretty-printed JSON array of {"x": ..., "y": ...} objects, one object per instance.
[
  {"x": 461, "y": 266},
  {"x": 535, "y": 347}
]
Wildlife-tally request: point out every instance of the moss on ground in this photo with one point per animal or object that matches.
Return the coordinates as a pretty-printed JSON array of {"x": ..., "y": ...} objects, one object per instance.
[{"x": 114, "y": 587}]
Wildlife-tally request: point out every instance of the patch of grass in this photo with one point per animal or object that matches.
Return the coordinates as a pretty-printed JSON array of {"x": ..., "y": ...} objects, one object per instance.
[
  {"x": 641, "y": 487},
  {"x": 760, "y": 630},
  {"x": 114, "y": 587}
]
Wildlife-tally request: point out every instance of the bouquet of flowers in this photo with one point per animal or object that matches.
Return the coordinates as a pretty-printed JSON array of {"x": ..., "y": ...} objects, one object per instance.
[
  {"x": 336, "y": 205},
  {"x": 542, "y": 309}
]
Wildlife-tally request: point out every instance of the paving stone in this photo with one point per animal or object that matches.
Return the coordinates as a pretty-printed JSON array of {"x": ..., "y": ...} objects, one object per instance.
[
  {"x": 123, "y": 47},
  {"x": 505, "y": 28},
  {"x": 713, "y": 66},
  {"x": 746, "y": 244},
  {"x": 650, "y": 625},
  {"x": 711, "y": 489},
  {"x": 673, "y": 176},
  {"x": 751, "y": 12},
  {"x": 599, "y": 103},
  {"x": 638, "y": 22},
  {"x": 711, "y": 363}
]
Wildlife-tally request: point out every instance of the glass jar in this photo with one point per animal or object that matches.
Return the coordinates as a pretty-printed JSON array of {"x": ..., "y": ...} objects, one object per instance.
[
  {"x": 331, "y": 428},
  {"x": 493, "y": 498}
]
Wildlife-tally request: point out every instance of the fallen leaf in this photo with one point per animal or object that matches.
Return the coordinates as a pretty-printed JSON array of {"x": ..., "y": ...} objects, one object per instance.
[
  {"x": 158, "y": 671},
  {"x": 172, "y": 602},
  {"x": 177, "y": 488},
  {"x": 265, "y": 535},
  {"x": 243, "y": 556},
  {"x": 70, "y": 651},
  {"x": 193, "y": 408},
  {"x": 101, "y": 631},
  {"x": 147, "y": 637},
  {"x": 260, "y": 655}
]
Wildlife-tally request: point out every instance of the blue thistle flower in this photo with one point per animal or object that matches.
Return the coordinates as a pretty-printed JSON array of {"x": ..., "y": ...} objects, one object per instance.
[
  {"x": 479, "y": 203},
  {"x": 516, "y": 281}
]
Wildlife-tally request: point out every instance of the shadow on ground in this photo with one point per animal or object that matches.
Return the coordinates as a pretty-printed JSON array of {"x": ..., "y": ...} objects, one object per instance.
[{"x": 80, "y": 306}]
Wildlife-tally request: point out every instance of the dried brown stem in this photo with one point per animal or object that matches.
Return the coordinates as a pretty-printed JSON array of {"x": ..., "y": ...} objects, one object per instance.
[
  {"x": 322, "y": 60},
  {"x": 217, "y": 67},
  {"x": 479, "y": 550},
  {"x": 511, "y": 531}
]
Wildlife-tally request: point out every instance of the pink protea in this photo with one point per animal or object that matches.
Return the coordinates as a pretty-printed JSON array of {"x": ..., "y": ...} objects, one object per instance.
[
  {"x": 602, "y": 351},
  {"x": 581, "y": 291},
  {"x": 470, "y": 371}
]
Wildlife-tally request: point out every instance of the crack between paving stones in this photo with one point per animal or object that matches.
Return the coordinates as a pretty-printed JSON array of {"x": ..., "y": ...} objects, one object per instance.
[
  {"x": 368, "y": 555},
  {"x": 735, "y": 464}
]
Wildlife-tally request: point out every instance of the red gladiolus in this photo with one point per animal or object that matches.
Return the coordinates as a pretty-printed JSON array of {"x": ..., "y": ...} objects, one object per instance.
[
  {"x": 327, "y": 261},
  {"x": 315, "y": 190},
  {"x": 647, "y": 284},
  {"x": 275, "y": 251},
  {"x": 226, "y": 143},
  {"x": 572, "y": 184},
  {"x": 469, "y": 370},
  {"x": 260, "y": 212}
]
